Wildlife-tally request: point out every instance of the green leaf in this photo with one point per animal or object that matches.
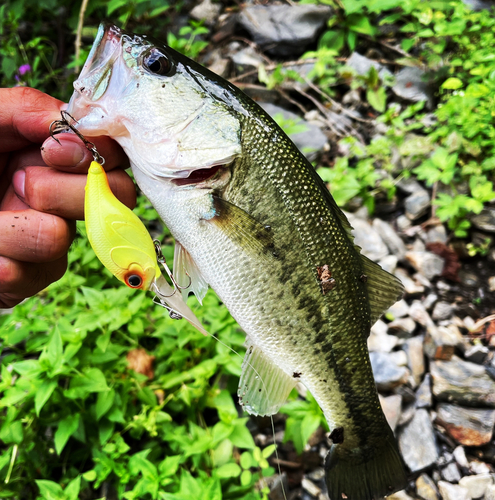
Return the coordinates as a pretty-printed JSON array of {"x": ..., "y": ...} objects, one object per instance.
[
  {"x": 66, "y": 427},
  {"x": 361, "y": 24},
  {"x": 452, "y": 84},
  {"x": 377, "y": 98},
  {"x": 72, "y": 489},
  {"x": 43, "y": 394},
  {"x": 241, "y": 437},
  {"x": 92, "y": 380},
  {"x": 54, "y": 350},
  {"x": 104, "y": 402},
  {"x": 50, "y": 490},
  {"x": 228, "y": 470}
]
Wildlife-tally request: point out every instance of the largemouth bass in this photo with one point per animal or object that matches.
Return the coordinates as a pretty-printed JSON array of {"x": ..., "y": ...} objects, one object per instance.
[{"x": 252, "y": 219}]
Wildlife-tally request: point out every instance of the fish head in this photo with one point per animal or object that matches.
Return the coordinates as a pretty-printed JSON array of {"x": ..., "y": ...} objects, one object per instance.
[{"x": 170, "y": 115}]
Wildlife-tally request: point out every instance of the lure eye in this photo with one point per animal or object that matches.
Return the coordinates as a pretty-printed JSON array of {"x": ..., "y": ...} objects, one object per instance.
[
  {"x": 134, "y": 281},
  {"x": 158, "y": 63}
]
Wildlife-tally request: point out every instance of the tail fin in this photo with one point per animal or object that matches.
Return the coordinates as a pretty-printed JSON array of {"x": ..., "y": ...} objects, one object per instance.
[{"x": 370, "y": 474}]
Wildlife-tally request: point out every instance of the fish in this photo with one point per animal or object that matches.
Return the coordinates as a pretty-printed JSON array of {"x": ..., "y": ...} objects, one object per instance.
[
  {"x": 123, "y": 245},
  {"x": 252, "y": 219}
]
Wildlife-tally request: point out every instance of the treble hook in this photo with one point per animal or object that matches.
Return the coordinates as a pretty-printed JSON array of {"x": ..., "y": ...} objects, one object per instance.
[
  {"x": 161, "y": 260},
  {"x": 63, "y": 125}
]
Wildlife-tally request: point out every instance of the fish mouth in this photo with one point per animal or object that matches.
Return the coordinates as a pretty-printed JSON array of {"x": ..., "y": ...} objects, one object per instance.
[{"x": 203, "y": 176}]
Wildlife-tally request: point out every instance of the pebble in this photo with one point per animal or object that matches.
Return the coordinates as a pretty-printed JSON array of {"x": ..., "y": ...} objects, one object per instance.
[
  {"x": 478, "y": 467},
  {"x": 279, "y": 486},
  {"x": 284, "y": 30},
  {"x": 442, "y": 310},
  {"x": 417, "y": 204},
  {"x": 426, "y": 488},
  {"x": 389, "y": 263},
  {"x": 410, "y": 185},
  {"x": 436, "y": 234},
  {"x": 368, "y": 239},
  {"x": 427, "y": 263},
  {"x": 417, "y": 442},
  {"x": 411, "y": 287},
  {"x": 391, "y": 407},
  {"x": 398, "y": 310},
  {"x": 467, "y": 426},
  {"x": 491, "y": 283},
  {"x": 429, "y": 300},
  {"x": 409, "y": 85},
  {"x": 402, "y": 327},
  {"x": 485, "y": 220},
  {"x": 462, "y": 382},
  {"x": 415, "y": 358},
  {"x": 403, "y": 223},
  {"x": 424, "y": 397},
  {"x": 246, "y": 59},
  {"x": 490, "y": 492},
  {"x": 379, "y": 340},
  {"x": 310, "y": 141},
  {"x": 419, "y": 314},
  {"x": 386, "y": 372},
  {"x": 460, "y": 457},
  {"x": 476, "y": 354},
  {"x": 476, "y": 485},
  {"x": 391, "y": 238},
  {"x": 310, "y": 487},
  {"x": 208, "y": 11},
  {"x": 441, "y": 342},
  {"x": 362, "y": 65},
  {"x": 451, "y": 473},
  {"x": 450, "y": 491},
  {"x": 468, "y": 279},
  {"x": 400, "y": 495}
]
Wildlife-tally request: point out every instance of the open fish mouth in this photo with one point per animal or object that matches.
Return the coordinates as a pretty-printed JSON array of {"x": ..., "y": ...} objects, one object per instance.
[{"x": 201, "y": 175}]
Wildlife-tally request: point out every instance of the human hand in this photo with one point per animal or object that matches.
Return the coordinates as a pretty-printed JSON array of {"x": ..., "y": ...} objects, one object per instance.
[{"x": 42, "y": 192}]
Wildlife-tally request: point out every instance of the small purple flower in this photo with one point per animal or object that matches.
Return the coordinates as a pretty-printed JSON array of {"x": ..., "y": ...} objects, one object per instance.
[{"x": 25, "y": 68}]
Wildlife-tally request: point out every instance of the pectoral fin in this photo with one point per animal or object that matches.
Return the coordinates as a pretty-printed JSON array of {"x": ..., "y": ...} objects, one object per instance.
[
  {"x": 263, "y": 387},
  {"x": 185, "y": 270}
]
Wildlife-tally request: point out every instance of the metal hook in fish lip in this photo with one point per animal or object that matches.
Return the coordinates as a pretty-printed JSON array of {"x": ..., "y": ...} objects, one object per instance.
[
  {"x": 161, "y": 260},
  {"x": 63, "y": 125},
  {"x": 173, "y": 314}
]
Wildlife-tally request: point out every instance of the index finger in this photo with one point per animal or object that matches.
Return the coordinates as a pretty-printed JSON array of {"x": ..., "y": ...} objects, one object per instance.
[{"x": 25, "y": 117}]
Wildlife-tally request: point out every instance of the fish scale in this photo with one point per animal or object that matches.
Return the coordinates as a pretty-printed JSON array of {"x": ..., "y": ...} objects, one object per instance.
[{"x": 264, "y": 232}]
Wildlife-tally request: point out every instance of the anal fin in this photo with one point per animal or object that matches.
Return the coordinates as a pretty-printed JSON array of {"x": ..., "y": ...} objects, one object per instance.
[
  {"x": 185, "y": 271},
  {"x": 263, "y": 387}
]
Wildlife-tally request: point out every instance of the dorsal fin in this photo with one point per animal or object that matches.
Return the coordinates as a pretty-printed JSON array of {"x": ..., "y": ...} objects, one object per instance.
[
  {"x": 185, "y": 270},
  {"x": 263, "y": 387}
]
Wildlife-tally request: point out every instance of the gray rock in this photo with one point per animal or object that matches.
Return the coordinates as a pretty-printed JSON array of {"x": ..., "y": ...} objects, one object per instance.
[
  {"x": 362, "y": 65},
  {"x": 468, "y": 279},
  {"x": 279, "y": 486},
  {"x": 419, "y": 314},
  {"x": 400, "y": 495},
  {"x": 389, "y": 263},
  {"x": 302, "y": 70},
  {"x": 310, "y": 141},
  {"x": 208, "y": 11},
  {"x": 220, "y": 67},
  {"x": 409, "y": 185},
  {"x": 417, "y": 204},
  {"x": 402, "y": 327},
  {"x": 391, "y": 407},
  {"x": 310, "y": 487},
  {"x": 467, "y": 426},
  {"x": 415, "y": 357},
  {"x": 460, "y": 457},
  {"x": 430, "y": 299},
  {"x": 427, "y": 263},
  {"x": 436, "y": 234},
  {"x": 411, "y": 287},
  {"x": 390, "y": 237},
  {"x": 403, "y": 223},
  {"x": 368, "y": 239},
  {"x": 246, "y": 59},
  {"x": 491, "y": 283},
  {"x": 442, "y": 310},
  {"x": 478, "y": 467},
  {"x": 284, "y": 29},
  {"x": 417, "y": 442},
  {"x": 379, "y": 340},
  {"x": 476, "y": 354},
  {"x": 387, "y": 374},
  {"x": 424, "y": 397},
  {"x": 353, "y": 97},
  {"x": 452, "y": 491},
  {"x": 462, "y": 382},
  {"x": 450, "y": 473},
  {"x": 478, "y": 4},
  {"x": 485, "y": 220},
  {"x": 476, "y": 485},
  {"x": 409, "y": 85},
  {"x": 426, "y": 488},
  {"x": 441, "y": 342},
  {"x": 398, "y": 310}
]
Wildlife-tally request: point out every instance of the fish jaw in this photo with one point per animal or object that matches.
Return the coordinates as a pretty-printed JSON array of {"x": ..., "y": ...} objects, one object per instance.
[{"x": 165, "y": 134}]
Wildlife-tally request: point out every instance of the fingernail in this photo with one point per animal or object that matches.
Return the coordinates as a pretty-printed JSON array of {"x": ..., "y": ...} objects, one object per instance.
[
  {"x": 65, "y": 154},
  {"x": 18, "y": 181}
]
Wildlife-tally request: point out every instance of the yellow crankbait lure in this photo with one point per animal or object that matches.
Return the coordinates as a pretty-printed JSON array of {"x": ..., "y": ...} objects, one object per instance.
[{"x": 123, "y": 245}]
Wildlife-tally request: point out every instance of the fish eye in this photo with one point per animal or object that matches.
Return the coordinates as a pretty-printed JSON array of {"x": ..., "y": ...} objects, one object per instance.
[
  {"x": 158, "y": 63},
  {"x": 134, "y": 280}
]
